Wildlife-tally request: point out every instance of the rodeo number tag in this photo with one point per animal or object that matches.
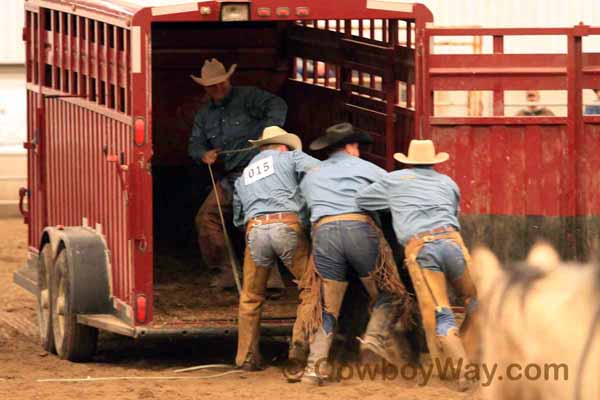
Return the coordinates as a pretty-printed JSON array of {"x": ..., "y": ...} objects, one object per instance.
[{"x": 258, "y": 170}]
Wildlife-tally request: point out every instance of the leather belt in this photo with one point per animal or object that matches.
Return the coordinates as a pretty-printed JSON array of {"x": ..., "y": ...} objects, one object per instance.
[
  {"x": 342, "y": 217},
  {"x": 429, "y": 236},
  {"x": 272, "y": 218}
]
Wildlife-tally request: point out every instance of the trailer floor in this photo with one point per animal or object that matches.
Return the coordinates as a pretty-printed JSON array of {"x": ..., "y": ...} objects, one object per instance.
[{"x": 182, "y": 296}]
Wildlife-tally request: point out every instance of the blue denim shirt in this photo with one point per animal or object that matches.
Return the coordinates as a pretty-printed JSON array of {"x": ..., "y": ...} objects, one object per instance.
[
  {"x": 228, "y": 125},
  {"x": 277, "y": 192},
  {"x": 420, "y": 199},
  {"x": 331, "y": 188}
]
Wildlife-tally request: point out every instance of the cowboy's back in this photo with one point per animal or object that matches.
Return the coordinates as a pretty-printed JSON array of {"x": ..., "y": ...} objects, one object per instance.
[
  {"x": 268, "y": 202},
  {"x": 421, "y": 199},
  {"x": 330, "y": 189},
  {"x": 278, "y": 189},
  {"x": 230, "y": 123},
  {"x": 425, "y": 206}
]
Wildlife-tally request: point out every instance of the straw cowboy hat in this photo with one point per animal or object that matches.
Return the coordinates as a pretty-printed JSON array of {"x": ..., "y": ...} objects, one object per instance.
[
  {"x": 340, "y": 134},
  {"x": 276, "y": 135},
  {"x": 213, "y": 72},
  {"x": 421, "y": 152}
]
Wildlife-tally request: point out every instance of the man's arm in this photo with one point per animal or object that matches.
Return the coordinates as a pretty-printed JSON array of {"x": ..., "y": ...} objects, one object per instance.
[
  {"x": 198, "y": 145},
  {"x": 374, "y": 197},
  {"x": 271, "y": 109},
  {"x": 376, "y": 173},
  {"x": 303, "y": 163},
  {"x": 238, "y": 211},
  {"x": 456, "y": 191}
]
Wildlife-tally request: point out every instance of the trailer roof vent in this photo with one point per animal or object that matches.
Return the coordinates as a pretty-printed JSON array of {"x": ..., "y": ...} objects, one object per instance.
[{"x": 235, "y": 12}]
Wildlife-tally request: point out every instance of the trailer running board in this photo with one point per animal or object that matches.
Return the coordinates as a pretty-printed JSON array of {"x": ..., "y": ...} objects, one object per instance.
[
  {"x": 26, "y": 277},
  {"x": 107, "y": 322},
  {"x": 113, "y": 324}
]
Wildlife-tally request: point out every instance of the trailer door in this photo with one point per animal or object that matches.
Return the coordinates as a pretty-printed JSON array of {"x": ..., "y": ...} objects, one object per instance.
[{"x": 360, "y": 71}]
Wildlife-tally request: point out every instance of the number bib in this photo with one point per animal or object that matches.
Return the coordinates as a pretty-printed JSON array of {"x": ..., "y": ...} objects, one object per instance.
[{"x": 258, "y": 170}]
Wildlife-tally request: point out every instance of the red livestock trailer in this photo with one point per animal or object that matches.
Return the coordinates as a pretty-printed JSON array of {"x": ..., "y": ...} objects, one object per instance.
[{"x": 112, "y": 193}]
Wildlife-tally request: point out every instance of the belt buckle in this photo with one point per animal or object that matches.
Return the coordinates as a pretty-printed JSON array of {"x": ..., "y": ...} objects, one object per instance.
[
  {"x": 256, "y": 222},
  {"x": 428, "y": 238}
]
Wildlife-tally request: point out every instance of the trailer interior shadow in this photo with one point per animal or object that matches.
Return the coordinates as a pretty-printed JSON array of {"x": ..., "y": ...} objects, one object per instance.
[{"x": 180, "y": 185}]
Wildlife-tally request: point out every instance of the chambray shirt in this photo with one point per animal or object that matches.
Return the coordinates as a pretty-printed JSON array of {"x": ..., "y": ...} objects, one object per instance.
[
  {"x": 228, "y": 125},
  {"x": 420, "y": 199},
  {"x": 331, "y": 188},
  {"x": 274, "y": 193}
]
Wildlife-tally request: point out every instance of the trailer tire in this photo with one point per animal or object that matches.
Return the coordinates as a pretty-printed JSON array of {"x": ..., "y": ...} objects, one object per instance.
[
  {"x": 44, "y": 303},
  {"x": 73, "y": 341}
]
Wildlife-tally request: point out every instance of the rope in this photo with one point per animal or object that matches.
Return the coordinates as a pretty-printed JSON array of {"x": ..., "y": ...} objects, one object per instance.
[
  {"x": 139, "y": 378},
  {"x": 208, "y": 366},
  {"x": 230, "y": 253},
  {"x": 237, "y": 150}
]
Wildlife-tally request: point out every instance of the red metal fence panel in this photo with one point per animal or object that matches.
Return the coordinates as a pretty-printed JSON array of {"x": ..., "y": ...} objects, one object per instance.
[{"x": 522, "y": 178}]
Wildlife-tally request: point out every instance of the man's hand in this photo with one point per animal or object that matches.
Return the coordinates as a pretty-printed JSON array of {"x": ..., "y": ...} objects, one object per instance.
[{"x": 210, "y": 156}]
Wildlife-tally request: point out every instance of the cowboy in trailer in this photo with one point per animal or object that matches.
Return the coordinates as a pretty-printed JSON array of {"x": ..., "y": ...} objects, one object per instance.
[
  {"x": 232, "y": 117},
  {"x": 268, "y": 202},
  {"x": 346, "y": 238},
  {"x": 425, "y": 207}
]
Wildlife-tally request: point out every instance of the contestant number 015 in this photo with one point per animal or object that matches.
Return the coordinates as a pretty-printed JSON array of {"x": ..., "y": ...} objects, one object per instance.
[{"x": 258, "y": 170}]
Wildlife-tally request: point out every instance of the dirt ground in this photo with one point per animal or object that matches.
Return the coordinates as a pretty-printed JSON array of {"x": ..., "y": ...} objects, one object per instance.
[{"x": 23, "y": 363}]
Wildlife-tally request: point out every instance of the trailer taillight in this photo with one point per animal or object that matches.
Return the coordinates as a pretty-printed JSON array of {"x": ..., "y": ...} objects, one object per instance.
[
  {"x": 302, "y": 11},
  {"x": 139, "y": 131},
  {"x": 141, "y": 308},
  {"x": 263, "y": 12},
  {"x": 283, "y": 12}
]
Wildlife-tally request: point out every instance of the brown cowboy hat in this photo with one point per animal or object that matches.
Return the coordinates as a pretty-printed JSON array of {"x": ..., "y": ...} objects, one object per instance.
[
  {"x": 421, "y": 152},
  {"x": 277, "y": 135},
  {"x": 213, "y": 72},
  {"x": 339, "y": 135}
]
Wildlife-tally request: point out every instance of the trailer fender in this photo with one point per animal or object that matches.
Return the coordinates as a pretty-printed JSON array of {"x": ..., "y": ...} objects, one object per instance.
[{"x": 89, "y": 276}]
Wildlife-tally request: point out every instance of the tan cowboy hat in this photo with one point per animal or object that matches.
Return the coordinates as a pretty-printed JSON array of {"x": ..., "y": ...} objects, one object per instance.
[
  {"x": 276, "y": 135},
  {"x": 421, "y": 152},
  {"x": 340, "y": 134},
  {"x": 213, "y": 72}
]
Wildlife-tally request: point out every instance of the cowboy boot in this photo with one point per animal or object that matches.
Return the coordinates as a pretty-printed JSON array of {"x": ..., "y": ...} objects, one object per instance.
[
  {"x": 251, "y": 301},
  {"x": 454, "y": 355},
  {"x": 317, "y": 367},
  {"x": 374, "y": 339},
  {"x": 374, "y": 344}
]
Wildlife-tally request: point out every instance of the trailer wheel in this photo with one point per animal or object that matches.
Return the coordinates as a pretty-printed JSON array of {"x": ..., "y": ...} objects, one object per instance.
[
  {"x": 44, "y": 305},
  {"x": 74, "y": 342}
]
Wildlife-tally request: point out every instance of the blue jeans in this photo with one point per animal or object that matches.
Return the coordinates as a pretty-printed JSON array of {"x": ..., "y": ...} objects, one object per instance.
[
  {"x": 340, "y": 245},
  {"x": 444, "y": 256},
  {"x": 270, "y": 242}
]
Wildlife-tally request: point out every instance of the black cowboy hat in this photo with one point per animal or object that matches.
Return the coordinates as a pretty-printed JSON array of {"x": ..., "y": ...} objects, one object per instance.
[{"x": 339, "y": 135}]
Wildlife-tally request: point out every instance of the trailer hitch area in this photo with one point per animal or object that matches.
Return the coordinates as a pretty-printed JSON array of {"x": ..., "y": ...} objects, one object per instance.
[{"x": 25, "y": 213}]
